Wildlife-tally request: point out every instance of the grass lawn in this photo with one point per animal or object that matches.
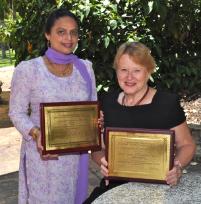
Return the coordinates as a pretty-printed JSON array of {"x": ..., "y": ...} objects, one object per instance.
[{"x": 6, "y": 62}]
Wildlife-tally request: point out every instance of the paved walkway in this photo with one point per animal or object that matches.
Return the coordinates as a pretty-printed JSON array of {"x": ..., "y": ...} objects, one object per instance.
[
  {"x": 9, "y": 147},
  {"x": 5, "y": 76}
]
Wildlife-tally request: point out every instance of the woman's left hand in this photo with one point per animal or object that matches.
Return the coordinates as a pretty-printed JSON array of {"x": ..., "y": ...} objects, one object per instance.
[
  {"x": 174, "y": 175},
  {"x": 101, "y": 121}
]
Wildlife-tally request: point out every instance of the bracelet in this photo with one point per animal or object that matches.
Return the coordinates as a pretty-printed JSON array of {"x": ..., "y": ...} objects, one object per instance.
[{"x": 35, "y": 133}]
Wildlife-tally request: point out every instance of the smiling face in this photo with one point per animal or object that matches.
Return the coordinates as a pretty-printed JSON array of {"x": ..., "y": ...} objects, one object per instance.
[
  {"x": 132, "y": 77},
  {"x": 63, "y": 35}
]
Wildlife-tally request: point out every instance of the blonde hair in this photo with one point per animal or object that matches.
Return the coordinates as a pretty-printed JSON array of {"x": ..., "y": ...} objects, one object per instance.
[{"x": 138, "y": 52}]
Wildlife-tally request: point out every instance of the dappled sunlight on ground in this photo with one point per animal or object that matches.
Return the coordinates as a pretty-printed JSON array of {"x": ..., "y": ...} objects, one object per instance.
[{"x": 10, "y": 140}]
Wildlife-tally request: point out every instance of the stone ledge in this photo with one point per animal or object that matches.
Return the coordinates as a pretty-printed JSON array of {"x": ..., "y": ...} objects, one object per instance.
[
  {"x": 187, "y": 191},
  {"x": 196, "y": 132}
]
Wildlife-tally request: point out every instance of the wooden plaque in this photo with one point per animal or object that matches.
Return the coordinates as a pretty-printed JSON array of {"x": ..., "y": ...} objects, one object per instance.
[
  {"x": 70, "y": 127},
  {"x": 139, "y": 154}
]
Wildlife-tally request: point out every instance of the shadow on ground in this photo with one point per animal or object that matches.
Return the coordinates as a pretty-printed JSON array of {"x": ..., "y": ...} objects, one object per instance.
[{"x": 9, "y": 188}]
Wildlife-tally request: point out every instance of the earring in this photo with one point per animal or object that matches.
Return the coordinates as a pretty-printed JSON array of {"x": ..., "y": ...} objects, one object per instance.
[{"x": 48, "y": 44}]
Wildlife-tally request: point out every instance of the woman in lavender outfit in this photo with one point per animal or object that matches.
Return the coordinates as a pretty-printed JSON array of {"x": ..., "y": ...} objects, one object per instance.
[{"x": 57, "y": 76}]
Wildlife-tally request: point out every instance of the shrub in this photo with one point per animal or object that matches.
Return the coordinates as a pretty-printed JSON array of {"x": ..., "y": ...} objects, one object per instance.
[{"x": 171, "y": 28}]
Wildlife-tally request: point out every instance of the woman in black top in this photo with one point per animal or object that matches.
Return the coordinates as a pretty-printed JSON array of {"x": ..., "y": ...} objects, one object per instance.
[{"x": 140, "y": 106}]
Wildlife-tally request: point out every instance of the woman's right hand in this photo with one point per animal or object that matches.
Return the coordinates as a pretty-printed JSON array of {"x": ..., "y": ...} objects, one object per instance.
[
  {"x": 101, "y": 121},
  {"x": 40, "y": 149},
  {"x": 36, "y": 135}
]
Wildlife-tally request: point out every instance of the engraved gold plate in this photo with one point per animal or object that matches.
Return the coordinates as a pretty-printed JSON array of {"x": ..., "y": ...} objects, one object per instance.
[
  {"x": 139, "y": 154},
  {"x": 70, "y": 127}
]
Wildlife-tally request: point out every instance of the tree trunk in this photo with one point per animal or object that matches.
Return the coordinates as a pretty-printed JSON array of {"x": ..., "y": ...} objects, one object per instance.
[
  {"x": 10, "y": 58},
  {"x": 3, "y": 49}
]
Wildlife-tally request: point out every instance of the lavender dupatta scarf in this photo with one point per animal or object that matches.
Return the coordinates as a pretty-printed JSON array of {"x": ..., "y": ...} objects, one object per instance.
[{"x": 59, "y": 58}]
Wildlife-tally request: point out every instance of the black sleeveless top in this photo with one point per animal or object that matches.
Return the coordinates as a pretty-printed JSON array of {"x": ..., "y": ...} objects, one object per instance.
[{"x": 164, "y": 112}]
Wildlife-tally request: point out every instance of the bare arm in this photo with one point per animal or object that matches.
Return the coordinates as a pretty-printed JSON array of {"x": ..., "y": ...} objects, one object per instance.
[
  {"x": 185, "y": 144},
  {"x": 185, "y": 150}
]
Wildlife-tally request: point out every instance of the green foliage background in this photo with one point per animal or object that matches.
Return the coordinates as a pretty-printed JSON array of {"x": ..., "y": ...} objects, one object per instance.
[{"x": 171, "y": 28}]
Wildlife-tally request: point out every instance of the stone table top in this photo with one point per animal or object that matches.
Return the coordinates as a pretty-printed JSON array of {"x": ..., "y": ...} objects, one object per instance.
[{"x": 188, "y": 191}]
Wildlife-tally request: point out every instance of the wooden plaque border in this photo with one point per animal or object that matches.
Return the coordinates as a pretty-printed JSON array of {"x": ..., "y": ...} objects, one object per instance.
[
  {"x": 139, "y": 130},
  {"x": 67, "y": 150}
]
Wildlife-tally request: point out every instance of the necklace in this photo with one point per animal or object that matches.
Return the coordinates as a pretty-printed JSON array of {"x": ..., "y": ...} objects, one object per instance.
[
  {"x": 59, "y": 70},
  {"x": 139, "y": 101}
]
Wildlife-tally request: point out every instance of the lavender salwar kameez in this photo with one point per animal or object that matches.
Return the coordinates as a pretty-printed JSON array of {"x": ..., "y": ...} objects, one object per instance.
[{"x": 51, "y": 181}]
